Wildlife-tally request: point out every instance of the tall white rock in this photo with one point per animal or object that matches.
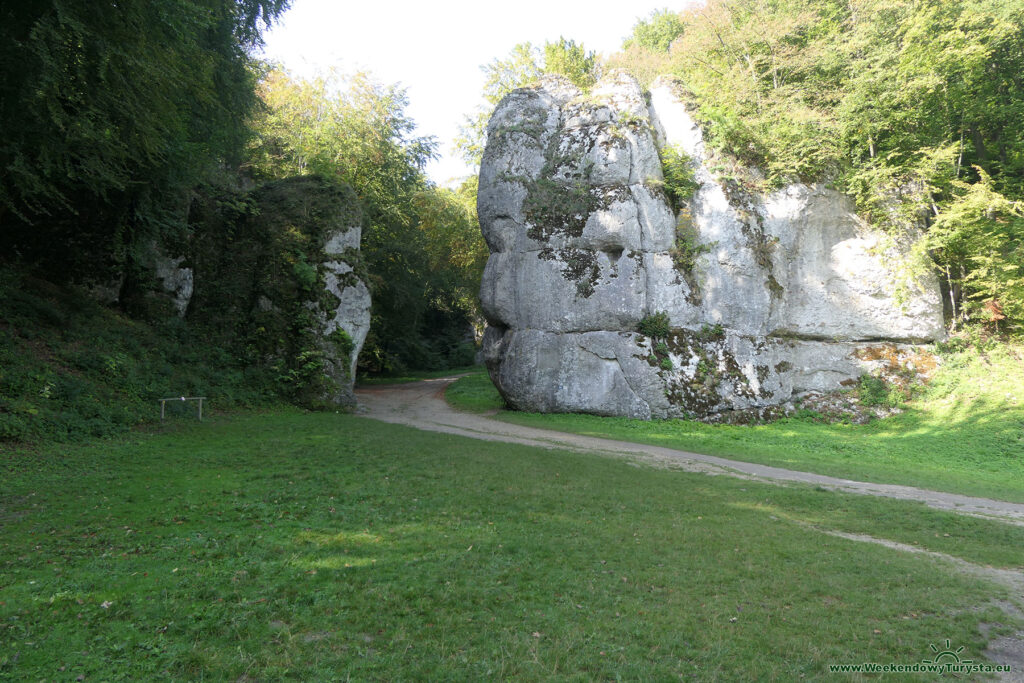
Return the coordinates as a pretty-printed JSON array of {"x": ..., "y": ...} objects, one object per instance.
[
  {"x": 349, "y": 314},
  {"x": 787, "y": 295}
]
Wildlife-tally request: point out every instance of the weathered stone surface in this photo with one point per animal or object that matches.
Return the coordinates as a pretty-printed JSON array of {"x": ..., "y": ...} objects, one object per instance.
[
  {"x": 564, "y": 290},
  {"x": 594, "y": 372},
  {"x": 797, "y": 262},
  {"x": 837, "y": 273},
  {"x": 177, "y": 281},
  {"x": 565, "y": 211},
  {"x": 351, "y": 313},
  {"x": 786, "y": 295}
]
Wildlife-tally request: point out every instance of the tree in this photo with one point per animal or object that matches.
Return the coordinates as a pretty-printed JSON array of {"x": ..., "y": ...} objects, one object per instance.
[
  {"x": 455, "y": 249},
  {"x": 524, "y": 65},
  {"x": 111, "y": 112},
  {"x": 978, "y": 239},
  {"x": 567, "y": 58},
  {"x": 657, "y": 32}
]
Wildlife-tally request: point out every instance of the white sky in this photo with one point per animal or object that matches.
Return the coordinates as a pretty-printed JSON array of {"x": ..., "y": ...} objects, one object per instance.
[{"x": 435, "y": 49}]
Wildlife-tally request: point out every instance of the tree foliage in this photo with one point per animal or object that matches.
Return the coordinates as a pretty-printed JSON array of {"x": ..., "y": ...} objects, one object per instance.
[
  {"x": 912, "y": 107},
  {"x": 455, "y": 251},
  {"x": 656, "y": 32},
  {"x": 573, "y": 61},
  {"x": 524, "y": 65},
  {"x": 111, "y": 112},
  {"x": 978, "y": 238}
]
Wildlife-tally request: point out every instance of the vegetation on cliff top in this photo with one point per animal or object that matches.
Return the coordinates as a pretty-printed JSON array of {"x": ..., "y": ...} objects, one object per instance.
[{"x": 913, "y": 108}]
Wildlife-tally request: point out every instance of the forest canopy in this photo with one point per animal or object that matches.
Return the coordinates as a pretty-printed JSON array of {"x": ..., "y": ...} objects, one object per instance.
[{"x": 112, "y": 113}]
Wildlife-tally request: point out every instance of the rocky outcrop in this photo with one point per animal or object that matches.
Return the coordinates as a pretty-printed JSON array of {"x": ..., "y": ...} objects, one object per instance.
[
  {"x": 344, "y": 314},
  {"x": 286, "y": 277},
  {"x": 745, "y": 300},
  {"x": 176, "y": 281},
  {"x": 311, "y": 285}
]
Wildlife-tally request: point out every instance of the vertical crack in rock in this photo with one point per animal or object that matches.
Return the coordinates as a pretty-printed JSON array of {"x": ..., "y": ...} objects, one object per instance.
[{"x": 767, "y": 296}]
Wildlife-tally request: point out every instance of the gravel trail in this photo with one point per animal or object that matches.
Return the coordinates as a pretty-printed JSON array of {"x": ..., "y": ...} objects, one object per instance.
[{"x": 422, "y": 405}]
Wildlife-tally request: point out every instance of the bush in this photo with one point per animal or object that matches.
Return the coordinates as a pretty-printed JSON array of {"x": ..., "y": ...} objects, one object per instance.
[
  {"x": 875, "y": 391},
  {"x": 710, "y": 333},
  {"x": 688, "y": 247},
  {"x": 680, "y": 181},
  {"x": 656, "y": 325},
  {"x": 345, "y": 344}
]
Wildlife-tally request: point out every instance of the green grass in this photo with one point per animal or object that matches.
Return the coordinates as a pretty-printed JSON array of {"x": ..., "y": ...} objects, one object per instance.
[
  {"x": 320, "y": 547},
  {"x": 963, "y": 434},
  {"x": 474, "y": 393}
]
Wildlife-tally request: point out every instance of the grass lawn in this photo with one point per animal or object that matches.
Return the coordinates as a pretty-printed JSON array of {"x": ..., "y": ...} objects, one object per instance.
[
  {"x": 474, "y": 393},
  {"x": 964, "y": 433},
  {"x": 321, "y": 547}
]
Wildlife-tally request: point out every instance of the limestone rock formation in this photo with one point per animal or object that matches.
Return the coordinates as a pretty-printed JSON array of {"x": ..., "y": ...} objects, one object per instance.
[
  {"x": 176, "y": 280},
  {"x": 311, "y": 216},
  {"x": 287, "y": 276},
  {"x": 348, "y": 311},
  {"x": 766, "y": 296}
]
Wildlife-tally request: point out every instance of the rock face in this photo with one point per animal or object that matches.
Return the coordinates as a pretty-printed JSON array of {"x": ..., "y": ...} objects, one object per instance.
[
  {"x": 347, "y": 312},
  {"x": 310, "y": 230},
  {"x": 287, "y": 277},
  {"x": 762, "y": 297},
  {"x": 176, "y": 281}
]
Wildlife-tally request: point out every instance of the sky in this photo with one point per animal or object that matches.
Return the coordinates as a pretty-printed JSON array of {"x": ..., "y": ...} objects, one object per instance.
[{"x": 435, "y": 49}]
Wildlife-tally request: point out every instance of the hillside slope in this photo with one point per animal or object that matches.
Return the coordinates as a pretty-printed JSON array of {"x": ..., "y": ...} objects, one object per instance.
[{"x": 71, "y": 368}]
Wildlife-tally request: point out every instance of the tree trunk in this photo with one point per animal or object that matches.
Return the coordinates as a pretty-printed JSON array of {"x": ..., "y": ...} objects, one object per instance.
[{"x": 979, "y": 146}]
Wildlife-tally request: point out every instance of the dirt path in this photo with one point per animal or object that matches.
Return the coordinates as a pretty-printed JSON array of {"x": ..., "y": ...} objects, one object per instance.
[{"x": 422, "y": 405}]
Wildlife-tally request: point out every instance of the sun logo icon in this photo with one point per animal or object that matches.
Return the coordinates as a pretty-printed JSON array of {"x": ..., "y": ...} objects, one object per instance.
[{"x": 947, "y": 656}]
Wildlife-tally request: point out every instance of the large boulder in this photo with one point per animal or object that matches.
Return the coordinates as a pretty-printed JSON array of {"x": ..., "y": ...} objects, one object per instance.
[{"x": 761, "y": 296}]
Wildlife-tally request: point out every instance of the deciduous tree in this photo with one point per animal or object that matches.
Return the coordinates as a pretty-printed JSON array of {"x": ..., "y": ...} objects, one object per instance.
[{"x": 110, "y": 113}]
